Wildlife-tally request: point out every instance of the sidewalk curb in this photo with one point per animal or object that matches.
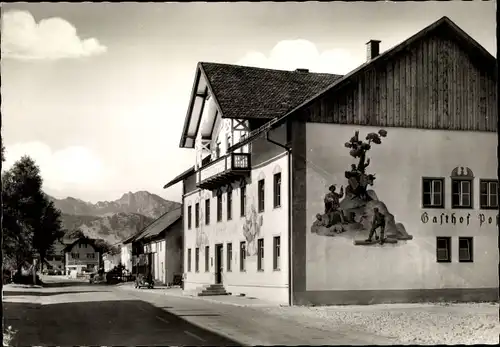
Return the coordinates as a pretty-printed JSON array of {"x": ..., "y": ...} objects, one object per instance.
[{"x": 192, "y": 296}]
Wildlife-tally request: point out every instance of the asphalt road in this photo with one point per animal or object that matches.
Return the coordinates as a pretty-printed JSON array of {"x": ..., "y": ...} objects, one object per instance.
[{"x": 80, "y": 314}]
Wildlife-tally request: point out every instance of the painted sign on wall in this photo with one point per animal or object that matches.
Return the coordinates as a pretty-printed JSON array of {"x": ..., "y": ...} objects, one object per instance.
[{"x": 454, "y": 219}]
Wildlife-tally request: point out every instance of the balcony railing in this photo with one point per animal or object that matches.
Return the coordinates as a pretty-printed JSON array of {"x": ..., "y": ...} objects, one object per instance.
[{"x": 224, "y": 170}]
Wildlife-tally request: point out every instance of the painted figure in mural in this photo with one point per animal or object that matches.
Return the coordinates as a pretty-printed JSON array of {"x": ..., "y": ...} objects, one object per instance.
[
  {"x": 378, "y": 222},
  {"x": 332, "y": 204}
]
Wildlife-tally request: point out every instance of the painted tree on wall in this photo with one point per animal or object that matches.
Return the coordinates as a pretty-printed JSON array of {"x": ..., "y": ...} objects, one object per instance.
[{"x": 360, "y": 211}]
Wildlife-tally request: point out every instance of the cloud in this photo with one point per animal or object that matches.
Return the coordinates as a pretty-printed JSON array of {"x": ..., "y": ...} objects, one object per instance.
[
  {"x": 294, "y": 54},
  {"x": 50, "y": 39},
  {"x": 72, "y": 166}
]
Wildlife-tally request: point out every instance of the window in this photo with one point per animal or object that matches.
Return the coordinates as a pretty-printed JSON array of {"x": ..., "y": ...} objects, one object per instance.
[
  {"x": 189, "y": 217},
  {"x": 229, "y": 205},
  {"x": 217, "y": 150},
  {"x": 243, "y": 200},
  {"x": 228, "y": 141},
  {"x": 90, "y": 256},
  {"x": 75, "y": 255},
  {"x": 189, "y": 260},
  {"x": 260, "y": 194},
  {"x": 219, "y": 207},
  {"x": 276, "y": 253},
  {"x": 207, "y": 258},
  {"x": 465, "y": 251},
  {"x": 229, "y": 255},
  {"x": 243, "y": 255},
  {"x": 207, "y": 211},
  {"x": 197, "y": 215},
  {"x": 488, "y": 194},
  {"x": 432, "y": 192},
  {"x": 277, "y": 190},
  {"x": 197, "y": 260},
  {"x": 260, "y": 255},
  {"x": 461, "y": 193},
  {"x": 443, "y": 249}
]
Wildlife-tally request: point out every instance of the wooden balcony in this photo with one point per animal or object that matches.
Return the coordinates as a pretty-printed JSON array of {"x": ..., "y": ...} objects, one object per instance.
[{"x": 225, "y": 170}]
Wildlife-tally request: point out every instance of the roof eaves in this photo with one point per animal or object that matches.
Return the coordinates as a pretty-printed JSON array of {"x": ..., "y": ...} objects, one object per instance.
[
  {"x": 190, "y": 107},
  {"x": 180, "y": 177},
  {"x": 209, "y": 84}
]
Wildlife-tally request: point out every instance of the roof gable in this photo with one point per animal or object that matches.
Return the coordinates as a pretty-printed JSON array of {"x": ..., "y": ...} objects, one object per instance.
[
  {"x": 443, "y": 26},
  {"x": 244, "y": 92},
  {"x": 160, "y": 225},
  {"x": 248, "y": 92}
]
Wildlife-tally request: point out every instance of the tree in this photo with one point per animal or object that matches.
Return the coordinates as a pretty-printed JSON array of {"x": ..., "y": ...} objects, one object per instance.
[
  {"x": 19, "y": 185},
  {"x": 32, "y": 223},
  {"x": 47, "y": 229},
  {"x": 2, "y": 154}
]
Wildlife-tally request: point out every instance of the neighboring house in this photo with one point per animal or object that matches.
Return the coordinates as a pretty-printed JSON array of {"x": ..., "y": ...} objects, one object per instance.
[
  {"x": 162, "y": 246},
  {"x": 269, "y": 144},
  {"x": 55, "y": 261},
  {"x": 126, "y": 253},
  {"x": 110, "y": 261},
  {"x": 81, "y": 256}
]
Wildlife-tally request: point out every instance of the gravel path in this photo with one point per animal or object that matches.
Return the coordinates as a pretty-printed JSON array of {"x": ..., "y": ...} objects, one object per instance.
[{"x": 426, "y": 324}]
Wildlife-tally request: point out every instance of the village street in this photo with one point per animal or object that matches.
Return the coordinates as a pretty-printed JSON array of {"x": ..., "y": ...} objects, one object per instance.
[
  {"x": 77, "y": 313},
  {"x": 81, "y": 314}
]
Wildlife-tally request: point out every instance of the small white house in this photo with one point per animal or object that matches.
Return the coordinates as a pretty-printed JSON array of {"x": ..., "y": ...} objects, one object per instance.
[
  {"x": 81, "y": 256},
  {"x": 161, "y": 243}
]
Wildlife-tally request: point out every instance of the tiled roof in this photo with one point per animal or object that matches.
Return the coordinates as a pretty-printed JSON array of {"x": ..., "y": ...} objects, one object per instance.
[
  {"x": 159, "y": 225},
  {"x": 249, "y": 92}
]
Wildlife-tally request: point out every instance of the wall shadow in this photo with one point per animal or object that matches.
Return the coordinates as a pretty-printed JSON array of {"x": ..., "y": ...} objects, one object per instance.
[
  {"x": 104, "y": 323},
  {"x": 65, "y": 284},
  {"x": 26, "y": 293}
]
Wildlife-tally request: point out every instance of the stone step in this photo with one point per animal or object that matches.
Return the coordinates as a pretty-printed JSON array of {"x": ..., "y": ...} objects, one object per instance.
[{"x": 213, "y": 293}]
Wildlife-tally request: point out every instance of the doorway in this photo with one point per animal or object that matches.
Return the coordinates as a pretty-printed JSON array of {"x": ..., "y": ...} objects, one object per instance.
[{"x": 218, "y": 264}]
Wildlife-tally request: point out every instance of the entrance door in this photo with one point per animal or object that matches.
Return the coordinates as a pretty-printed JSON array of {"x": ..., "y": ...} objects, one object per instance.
[{"x": 218, "y": 264}]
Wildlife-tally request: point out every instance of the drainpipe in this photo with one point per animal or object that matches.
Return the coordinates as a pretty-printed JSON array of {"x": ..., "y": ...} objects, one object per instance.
[{"x": 289, "y": 152}]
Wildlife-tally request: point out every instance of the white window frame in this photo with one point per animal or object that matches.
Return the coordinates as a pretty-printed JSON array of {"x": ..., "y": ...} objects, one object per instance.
[
  {"x": 461, "y": 194},
  {"x": 433, "y": 192},
  {"x": 490, "y": 192}
]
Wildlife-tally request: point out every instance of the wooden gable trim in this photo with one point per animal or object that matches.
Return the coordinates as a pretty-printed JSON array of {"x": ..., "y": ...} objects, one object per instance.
[{"x": 209, "y": 85}]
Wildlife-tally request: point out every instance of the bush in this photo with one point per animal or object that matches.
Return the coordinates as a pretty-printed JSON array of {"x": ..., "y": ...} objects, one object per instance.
[
  {"x": 8, "y": 336},
  {"x": 19, "y": 278}
]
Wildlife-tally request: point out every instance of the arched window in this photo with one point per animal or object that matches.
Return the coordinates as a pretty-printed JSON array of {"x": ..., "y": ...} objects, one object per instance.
[{"x": 462, "y": 187}]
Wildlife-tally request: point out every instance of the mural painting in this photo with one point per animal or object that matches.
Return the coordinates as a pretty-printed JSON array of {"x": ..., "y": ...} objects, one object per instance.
[
  {"x": 251, "y": 228},
  {"x": 359, "y": 214},
  {"x": 201, "y": 236}
]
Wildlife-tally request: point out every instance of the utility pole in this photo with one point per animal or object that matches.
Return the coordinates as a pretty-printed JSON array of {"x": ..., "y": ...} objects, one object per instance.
[{"x": 34, "y": 271}]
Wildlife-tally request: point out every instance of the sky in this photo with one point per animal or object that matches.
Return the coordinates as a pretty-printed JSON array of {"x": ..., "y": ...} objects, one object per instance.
[{"x": 97, "y": 93}]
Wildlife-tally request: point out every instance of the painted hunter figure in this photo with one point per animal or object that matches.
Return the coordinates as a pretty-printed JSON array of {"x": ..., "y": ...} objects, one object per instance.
[
  {"x": 332, "y": 204},
  {"x": 359, "y": 211},
  {"x": 378, "y": 222}
]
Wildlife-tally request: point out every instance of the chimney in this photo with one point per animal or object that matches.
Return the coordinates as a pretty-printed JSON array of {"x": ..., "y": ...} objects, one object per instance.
[
  {"x": 302, "y": 70},
  {"x": 372, "y": 49}
]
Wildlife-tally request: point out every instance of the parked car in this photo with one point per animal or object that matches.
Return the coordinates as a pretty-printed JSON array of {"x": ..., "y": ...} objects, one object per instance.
[
  {"x": 96, "y": 278},
  {"x": 144, "y": 281}
]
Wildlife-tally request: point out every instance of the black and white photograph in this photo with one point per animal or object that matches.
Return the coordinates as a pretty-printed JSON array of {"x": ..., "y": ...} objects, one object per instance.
[{"x": 249, "y": 173}]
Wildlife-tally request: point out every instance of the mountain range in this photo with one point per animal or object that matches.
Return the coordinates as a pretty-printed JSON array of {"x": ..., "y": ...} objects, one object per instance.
[{"x": 112, "y": 221}]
